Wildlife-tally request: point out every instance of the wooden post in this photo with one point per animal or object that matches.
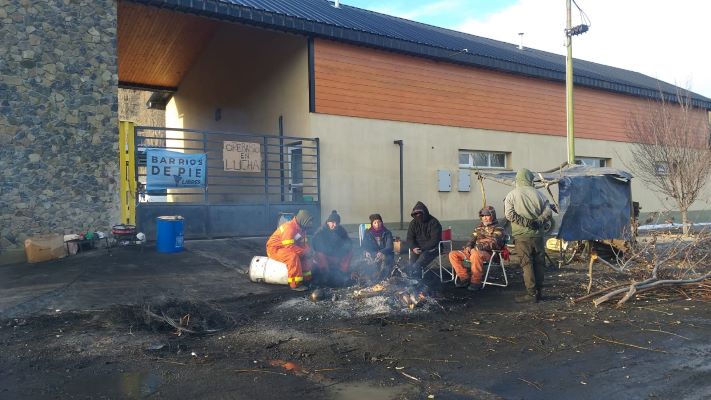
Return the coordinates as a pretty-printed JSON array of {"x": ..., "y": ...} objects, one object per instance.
[{"x": 593, "y": 257}]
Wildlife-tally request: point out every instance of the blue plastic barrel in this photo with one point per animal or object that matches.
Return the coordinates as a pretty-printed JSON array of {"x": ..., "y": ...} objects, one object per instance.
[{"x": 169, "y": 234}]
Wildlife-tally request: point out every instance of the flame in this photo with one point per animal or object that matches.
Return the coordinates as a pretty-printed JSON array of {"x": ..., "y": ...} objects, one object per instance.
[
  {"x": 287, "y": 365},
  {"x": 378, "y": 287}
]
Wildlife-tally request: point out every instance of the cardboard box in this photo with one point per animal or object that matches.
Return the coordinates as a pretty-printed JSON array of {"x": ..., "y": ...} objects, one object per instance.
[{"x": 44, "y": 248}]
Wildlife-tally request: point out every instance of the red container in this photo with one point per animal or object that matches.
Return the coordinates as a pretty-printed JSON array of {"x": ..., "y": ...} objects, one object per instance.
[{"x": 447, "y": 234}]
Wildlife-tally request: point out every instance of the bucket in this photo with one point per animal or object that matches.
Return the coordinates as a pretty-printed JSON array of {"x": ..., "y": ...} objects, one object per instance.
[
  {"x": 264, "y": 269},
  {"x": 169, "y": 234}
]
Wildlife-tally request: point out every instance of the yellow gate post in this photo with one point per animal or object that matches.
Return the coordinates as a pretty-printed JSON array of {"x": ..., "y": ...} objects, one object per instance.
[{"x": 127, "y": 165}]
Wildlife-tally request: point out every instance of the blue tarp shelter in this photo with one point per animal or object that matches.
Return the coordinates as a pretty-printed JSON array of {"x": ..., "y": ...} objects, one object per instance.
[{"x": 595, "y": 203}]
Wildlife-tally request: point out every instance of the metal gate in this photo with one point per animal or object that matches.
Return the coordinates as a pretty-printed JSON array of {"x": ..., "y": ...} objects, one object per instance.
[{"x": 251, "y": 180}]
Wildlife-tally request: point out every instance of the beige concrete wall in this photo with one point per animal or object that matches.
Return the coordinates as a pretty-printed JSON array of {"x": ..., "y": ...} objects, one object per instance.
[
  {"x": 360, "y": 166},
  {"x": 252, "y": 76}
]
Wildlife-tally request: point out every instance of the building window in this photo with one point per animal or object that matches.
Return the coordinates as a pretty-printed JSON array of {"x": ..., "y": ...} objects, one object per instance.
[
  {"x": 592, "y": 161},
  {"x": 482, "y": 159}
]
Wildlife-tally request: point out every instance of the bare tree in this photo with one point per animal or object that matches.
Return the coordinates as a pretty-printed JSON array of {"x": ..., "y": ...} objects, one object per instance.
[
  {"x": 671, "y": 150},
  {"x": 132, "y": 107}
]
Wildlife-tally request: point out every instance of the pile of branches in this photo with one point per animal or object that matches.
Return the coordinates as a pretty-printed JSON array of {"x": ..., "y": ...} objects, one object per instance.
[
  {"x": 185, "y": 317},
  {"x": 682, "y": 265}
]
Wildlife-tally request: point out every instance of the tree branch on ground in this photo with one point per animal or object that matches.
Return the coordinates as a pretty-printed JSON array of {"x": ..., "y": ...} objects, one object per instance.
[{"x": 679, "y": 263}]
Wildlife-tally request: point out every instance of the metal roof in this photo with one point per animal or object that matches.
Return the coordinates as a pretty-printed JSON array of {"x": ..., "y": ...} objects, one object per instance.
[{"x": 319, "y": 18}]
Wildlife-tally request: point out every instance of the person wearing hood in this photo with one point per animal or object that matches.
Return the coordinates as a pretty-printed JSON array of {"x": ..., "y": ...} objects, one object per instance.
[
  {"x": 332, "y": 251},
  {"x": 378, "y": 247},
  {"x": 487, "y": 236},
  {"x": 528, "y": 210},
  {"x": 288, "y": 245},
  {"x": 423, "y": 236}
]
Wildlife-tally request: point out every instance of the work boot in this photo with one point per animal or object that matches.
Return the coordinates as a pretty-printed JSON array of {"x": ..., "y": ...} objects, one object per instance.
[
  {"x": 475, "y": 287},
  {"x": 527, "y": 298},
  {"x": 461, "y": 283},
  {"x": 539, "y": 295},
  {"x": 300, "y": 288}
]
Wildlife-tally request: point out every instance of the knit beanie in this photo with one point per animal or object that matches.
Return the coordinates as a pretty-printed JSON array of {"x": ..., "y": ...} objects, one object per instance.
[
  {"x": 334, "y": 217},
  {"x": 304, "y": 218},
  {"x": 373, "y": 217}
]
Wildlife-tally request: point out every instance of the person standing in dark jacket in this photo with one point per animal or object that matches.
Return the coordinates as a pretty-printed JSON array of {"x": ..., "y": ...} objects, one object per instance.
[
  {"x": 528, "y": 210},
  {"x": 423, "y": 237},
  {"x": 378, "y": 246},
  {"x": 332, "y": 251}
]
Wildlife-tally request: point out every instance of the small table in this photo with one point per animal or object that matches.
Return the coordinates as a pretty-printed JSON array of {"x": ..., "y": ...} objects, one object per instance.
[{"x": 83, "y": 243}]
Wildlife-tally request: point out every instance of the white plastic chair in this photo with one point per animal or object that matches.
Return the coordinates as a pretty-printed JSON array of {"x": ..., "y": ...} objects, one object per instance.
[
  {"x": 497, "y": 261},
  {"x": 442, "y": 270},
  {"x": 361, "y": 232}
]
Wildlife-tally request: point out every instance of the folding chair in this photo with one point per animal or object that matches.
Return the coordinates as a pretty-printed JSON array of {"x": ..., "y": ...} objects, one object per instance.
[
  {"x": 444, "y": 271},
  {"x": 497, "y": 260}
]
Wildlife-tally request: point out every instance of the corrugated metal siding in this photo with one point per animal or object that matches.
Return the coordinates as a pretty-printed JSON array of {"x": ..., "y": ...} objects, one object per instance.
[{"x": 360, "y": 82}]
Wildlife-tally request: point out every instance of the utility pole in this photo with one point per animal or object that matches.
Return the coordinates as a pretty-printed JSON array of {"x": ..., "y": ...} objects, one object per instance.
[
  {"x": 569, "y": 84},
  {"x": 570, "y": 31}
]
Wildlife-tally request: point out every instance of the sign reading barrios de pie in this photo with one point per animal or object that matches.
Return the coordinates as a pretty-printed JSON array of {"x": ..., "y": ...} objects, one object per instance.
[
  {"x": 242, "y": 156},
  {"x": 172, "y": 169}
]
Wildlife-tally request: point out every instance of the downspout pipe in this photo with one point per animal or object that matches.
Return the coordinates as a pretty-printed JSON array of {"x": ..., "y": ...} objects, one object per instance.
[
  {"x": 402, "y": 220},
  {"x": 282, "y": 177}
]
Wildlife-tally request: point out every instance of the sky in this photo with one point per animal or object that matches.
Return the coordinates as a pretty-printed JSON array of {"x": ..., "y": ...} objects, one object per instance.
[{"x": 667, "y": 40}]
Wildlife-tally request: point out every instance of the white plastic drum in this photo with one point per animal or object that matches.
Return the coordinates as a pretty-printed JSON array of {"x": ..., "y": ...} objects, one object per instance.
[{"x": 264, "y": 269}]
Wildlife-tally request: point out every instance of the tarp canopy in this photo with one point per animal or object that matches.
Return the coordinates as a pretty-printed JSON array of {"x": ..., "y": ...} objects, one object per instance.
[{"x": 595, "y": 203}]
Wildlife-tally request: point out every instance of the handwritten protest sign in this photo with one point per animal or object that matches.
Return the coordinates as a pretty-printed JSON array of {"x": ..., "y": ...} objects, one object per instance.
[{"x": 242, "y": 156}]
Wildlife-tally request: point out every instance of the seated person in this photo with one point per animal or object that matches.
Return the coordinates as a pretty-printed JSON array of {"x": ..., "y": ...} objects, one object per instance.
[
  {"x": 486, "y": 237},
  {"x": 332, "y": 252},
  {"x": 288, "y": 245},
  {"x": 378, "y": 248},
  {"x": 423, "y": 237}
]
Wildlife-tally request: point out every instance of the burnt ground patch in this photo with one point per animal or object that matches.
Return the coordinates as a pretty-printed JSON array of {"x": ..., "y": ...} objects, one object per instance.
[
  {"x": 174, "y": 316},
  {"x": 277, "y": 343}
]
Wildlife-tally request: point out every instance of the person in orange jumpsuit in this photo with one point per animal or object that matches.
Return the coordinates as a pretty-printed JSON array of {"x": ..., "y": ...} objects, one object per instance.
[
  {"x": 288, "y": 244},
  {"x": 486, "y": 237}
]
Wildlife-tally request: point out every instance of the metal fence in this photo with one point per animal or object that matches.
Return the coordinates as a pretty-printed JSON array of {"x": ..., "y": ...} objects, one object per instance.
[{"x": 250, "y": 181}]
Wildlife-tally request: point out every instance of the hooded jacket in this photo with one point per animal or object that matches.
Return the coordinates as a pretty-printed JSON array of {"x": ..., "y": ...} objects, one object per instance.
[
  {"x": 488, "y": 237},
  {"x": 289, "y": 236},
  {"x": 526, "y": 202},
  {"x": 426, "y": 234}
]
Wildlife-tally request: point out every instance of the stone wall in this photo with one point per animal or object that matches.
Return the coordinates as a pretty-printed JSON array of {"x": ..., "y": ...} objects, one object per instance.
[{"x": 58, "y": 118}]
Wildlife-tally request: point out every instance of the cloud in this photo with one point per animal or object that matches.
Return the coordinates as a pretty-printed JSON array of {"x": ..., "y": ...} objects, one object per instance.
[{"x": 665, "y": 40}]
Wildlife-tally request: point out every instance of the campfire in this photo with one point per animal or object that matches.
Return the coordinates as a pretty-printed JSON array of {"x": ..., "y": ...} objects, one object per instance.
[{"x": 393, "y": 287}]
